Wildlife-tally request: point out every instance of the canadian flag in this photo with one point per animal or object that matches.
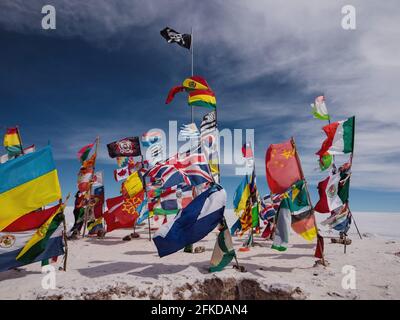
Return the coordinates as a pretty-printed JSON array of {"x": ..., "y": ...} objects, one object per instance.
[
  {"x": 121, "y": 173},
  {"x": 328, "y": 194}
]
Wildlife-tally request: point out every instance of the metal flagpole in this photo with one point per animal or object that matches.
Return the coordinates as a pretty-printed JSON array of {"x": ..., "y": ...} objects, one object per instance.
[{"x": 191, "y": 52}]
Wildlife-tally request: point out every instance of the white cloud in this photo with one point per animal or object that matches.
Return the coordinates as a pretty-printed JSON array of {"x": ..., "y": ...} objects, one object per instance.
[{"x": 245, "y": 41}]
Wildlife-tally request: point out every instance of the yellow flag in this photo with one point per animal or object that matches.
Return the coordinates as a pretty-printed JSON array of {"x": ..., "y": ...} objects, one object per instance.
[{"x": 133, "y": 185}]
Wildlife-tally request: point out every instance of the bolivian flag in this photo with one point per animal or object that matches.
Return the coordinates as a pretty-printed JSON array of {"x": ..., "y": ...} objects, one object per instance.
[
  {"x": 202, "y": 98},
  {"x": 16, "y": 236},
  {"x": 12, "y": 143},
  {"x": 28, "y": 182},
  {"x": 38, "y": 243}
]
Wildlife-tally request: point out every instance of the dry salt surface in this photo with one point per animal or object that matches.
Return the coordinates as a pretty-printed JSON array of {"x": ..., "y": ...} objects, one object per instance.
[{"x": 110, "y": 268}]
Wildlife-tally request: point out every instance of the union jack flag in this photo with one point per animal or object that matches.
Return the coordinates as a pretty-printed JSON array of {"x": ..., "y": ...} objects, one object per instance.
[
  {"x": 190, "y": 169},
  {"x": 268, "y": 207}
]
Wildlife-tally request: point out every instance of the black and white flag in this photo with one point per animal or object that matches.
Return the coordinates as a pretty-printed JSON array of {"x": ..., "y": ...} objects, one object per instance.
[
  {"x": 209, "y": 122},
  {"x": 183, "y": 39}
]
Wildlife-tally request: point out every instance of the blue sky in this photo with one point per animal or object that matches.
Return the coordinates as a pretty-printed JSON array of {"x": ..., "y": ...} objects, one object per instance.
[{"x": 106, "y": 71}]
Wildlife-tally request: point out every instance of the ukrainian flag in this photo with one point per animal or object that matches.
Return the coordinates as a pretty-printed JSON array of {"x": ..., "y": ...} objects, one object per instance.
[
  {"x": 242, "y": 193},
  {"x": 27, "y": 183}
]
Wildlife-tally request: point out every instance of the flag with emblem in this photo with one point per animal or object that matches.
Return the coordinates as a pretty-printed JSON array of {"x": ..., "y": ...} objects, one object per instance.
[
  {"x": 172, "y": 36},
  {"x": 34, "y": 237},
  {"x": 329, "y": 199},
  {"x": 281, "y": 166},
  {"x": 127, "y": 147},
  {"x": 122, "y": 212}
]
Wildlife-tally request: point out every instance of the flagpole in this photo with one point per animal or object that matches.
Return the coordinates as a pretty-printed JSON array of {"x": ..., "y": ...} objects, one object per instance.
[
  {"x": 65, "y": 232},
  {"x": 308, "y": 194},
  {"x": 192, "y": 72},
  {"x": 145, "y": 191},
  {"x": 88, "y": 207},
  {"x": 351, "y": 166},
  {"x": 20, "y": 140}
]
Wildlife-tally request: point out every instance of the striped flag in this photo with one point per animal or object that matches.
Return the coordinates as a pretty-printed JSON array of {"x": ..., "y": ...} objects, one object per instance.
[
  {"x": 33, "y": 237},
  {"x": 209, "y": 123},
  {"x": 27, "y": 183},
  {"x": 12, "y": 142},
  {"x": 193, "y": 223}
]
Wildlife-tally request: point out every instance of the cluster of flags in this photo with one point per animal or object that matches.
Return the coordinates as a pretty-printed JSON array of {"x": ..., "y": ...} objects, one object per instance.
[
  {"x": 29, "y": 232},
  {"x": 185, "y": 186},
  {"x": 334, "y": 189},
  {"x": 290, "y": 194}
]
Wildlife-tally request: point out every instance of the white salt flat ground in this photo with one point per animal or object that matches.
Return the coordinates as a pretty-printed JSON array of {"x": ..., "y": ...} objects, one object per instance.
[{"x": 113, "y": 269}]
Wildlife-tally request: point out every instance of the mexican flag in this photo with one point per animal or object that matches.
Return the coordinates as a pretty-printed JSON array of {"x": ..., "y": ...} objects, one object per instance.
[
  {"x": 329, "y": 199},
  {"x": 340, "y": 138}
]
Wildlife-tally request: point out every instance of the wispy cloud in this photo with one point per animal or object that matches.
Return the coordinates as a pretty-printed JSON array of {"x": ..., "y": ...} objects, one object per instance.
[{"x": 266, "y": 61}]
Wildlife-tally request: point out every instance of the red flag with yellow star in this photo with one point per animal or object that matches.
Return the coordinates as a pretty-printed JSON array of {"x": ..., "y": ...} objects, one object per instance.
[{"x": 281, "y": 166}]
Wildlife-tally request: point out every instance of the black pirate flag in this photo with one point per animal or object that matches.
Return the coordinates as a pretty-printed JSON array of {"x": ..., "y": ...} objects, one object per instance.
[
  {"x": 128, "y": 147},
  {"x": 183, "y": 39}
]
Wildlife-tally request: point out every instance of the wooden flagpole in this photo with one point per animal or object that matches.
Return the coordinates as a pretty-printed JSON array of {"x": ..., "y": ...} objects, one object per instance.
[
  {"x": 88, "y": 207},
  {"x": 145, "y": 191},
  {"x": 20, "y": 140},
  {"x": 65, "y": 232},
  {"x": 308, "y": 194}
]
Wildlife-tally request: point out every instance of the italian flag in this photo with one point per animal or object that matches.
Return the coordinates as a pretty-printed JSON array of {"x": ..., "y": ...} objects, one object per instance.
[
  {"x": 340, "y": 137},
  {"x": 329, "y": 199}
]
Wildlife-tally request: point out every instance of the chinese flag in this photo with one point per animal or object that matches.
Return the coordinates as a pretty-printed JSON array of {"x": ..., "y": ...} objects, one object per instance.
[{"x": 281, "y": 166}]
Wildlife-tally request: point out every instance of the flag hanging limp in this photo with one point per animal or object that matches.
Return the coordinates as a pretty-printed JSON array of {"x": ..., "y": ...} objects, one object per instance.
[
  {"x": 12, "y": 142},
  {"x": 281, "y": 166},
  {"x": 172, "y": 36},
  {"x": 223, "y": 250},
  {"x": 329, "y": 199},
  {"x": 319, "y": 109}
]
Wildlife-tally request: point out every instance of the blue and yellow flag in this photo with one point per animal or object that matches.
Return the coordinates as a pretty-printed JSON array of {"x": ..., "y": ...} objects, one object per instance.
[
  {"x": 241, "y": 196},
  {"x": 28, "y": 182}
]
